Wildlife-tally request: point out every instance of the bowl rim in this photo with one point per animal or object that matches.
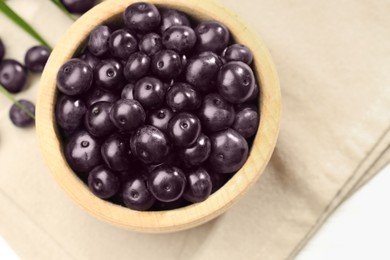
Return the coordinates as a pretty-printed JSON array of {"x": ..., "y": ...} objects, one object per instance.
[{"x": 195, "y": 214}]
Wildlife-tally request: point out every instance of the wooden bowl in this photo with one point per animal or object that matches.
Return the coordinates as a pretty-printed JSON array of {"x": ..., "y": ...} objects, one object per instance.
[{"x": 178, "y": 219}]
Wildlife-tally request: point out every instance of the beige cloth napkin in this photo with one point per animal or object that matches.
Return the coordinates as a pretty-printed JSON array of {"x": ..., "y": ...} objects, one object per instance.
[{"x": 333, "y": 59}]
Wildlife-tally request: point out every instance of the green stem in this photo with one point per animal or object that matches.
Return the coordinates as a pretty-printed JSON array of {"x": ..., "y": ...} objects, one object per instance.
[
  {"x": 21, "y": 23},
  {"x": 63, "y": 9},
  {"x": 11, "y": 97}
]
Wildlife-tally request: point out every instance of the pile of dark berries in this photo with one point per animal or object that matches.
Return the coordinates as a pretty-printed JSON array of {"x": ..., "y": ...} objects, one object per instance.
[{"x": 157, "y": 114}]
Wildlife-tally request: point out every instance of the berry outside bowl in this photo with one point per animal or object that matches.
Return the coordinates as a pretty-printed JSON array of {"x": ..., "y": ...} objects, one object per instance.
[{"x": 177, "y": 219}]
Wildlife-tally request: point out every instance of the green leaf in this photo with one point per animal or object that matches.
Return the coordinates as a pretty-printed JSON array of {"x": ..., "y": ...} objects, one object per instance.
[
  {"x": 12, "y": 98},
  {"x": 21, "y": 23},
  {"x": 63, "y": 9}
]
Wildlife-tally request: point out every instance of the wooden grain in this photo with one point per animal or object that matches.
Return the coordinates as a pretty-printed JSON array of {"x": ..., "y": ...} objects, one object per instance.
[{"x": 183, "y": 218}]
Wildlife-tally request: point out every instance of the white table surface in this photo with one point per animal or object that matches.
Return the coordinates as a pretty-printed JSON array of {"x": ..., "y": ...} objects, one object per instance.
[{"x": 359, "y": 229}]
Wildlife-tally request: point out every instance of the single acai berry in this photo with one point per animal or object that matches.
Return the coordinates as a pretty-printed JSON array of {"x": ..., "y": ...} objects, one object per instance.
[
  {"x": 170, "y": 17},
  {"x": 142, "y": 17},
  {"x": 137, "y": 66},
  {"x": 150, "y": 92},
  {"x": 2, "y": 50},
  {"x": 82, "y": 152},
  {"x": 238, "y": 52},
  {"x": 98, "y": 42},
  {"x": 95, "y": 95},
  {"x": 136, "y": 195},
  {"x": 212, "y": 36},
  {"x": 229, "y": 151},
  {"x": 74, "y": 77},
  {"x": 166, "y": 64},
  {"x": 216, "y": 113},
  {"x": 128, "y": 91},
  {"x": 127, "y": 115},
  {"x": 184, "y": 129},
  {"x": 89, "y": 58},
  {"x": 19, "y": 117},
  {"x": 236, "y": 82},
  {"x": 197, "y": 153},
  {"x": 179, "y": 38},
  {"x": 202, "y": 71},
  {"x": 183, "y": 97},
  {"x": 70, "y": 112},
  {"x": 246, "y": 121},
  {"x": 116, "y": 152},
  {"x": 36, "y": 58},
  {"x": 13, "y": 75},
  {"x": 150, "y": 43},
  {"x": 108, "y": 74},
  {"x": 198, "y": 186},
  {"x": 167, "y": 183},
  {"x": 150, "y": 145},
  {"x": 122, "y": 44},
  {"x": 97, "y": 119},
  {"x": 160, "y": 118},
  {"x": 103, "y": 182},
  {"x": 78, "y": 6}
]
